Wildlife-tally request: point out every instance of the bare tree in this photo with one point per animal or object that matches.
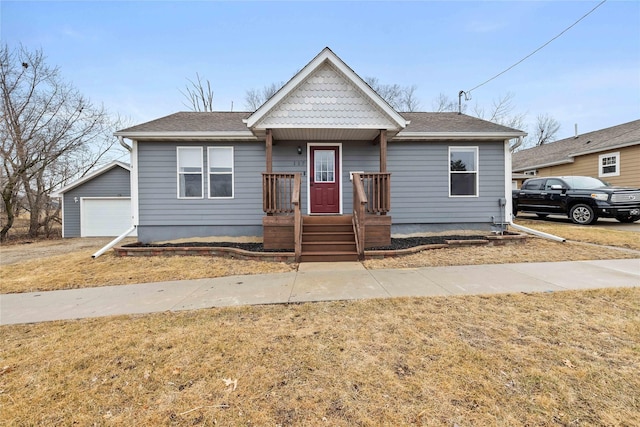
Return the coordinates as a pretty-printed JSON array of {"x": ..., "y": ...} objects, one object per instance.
[
  {"x": 45, "y": 123},
  {"x": 546, "y": 129},
  {"x": 198, "y": 94},
  {"x": 399, "y": 97},
  {"x": 410, "y": 102},
  {"x": 502, "y": 112},
  {"x": 254, "y": 98},
  {"x": 444, "y": 104}
]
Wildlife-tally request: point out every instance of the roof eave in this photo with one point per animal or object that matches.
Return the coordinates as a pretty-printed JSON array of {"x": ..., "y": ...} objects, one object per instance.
[
  {"x": 609, "y": 148},
  {"x": 89, "y": 177},
  {"x": 544, "y": 165},
  {"x": 468, "y": 136},
  {"x": 190, "y": 136}
]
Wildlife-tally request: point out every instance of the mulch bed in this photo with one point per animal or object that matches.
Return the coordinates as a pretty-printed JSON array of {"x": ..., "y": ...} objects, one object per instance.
[{"x": 396, "y": 244}]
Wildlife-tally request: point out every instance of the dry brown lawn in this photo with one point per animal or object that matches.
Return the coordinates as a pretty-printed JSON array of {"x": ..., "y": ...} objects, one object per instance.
[
  {"x": 76, "y": 269},
  {"x": 568, "y": 358},
  {"x": 586, "y": 233}
]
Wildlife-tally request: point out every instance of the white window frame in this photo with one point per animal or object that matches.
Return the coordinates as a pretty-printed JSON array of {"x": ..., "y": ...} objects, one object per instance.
[
  {"x": 476, "y": 151},
  {"x": 209, "y": 173},
  {"x": 601, "y": 157},
  {"x": 201, "y": 173}
]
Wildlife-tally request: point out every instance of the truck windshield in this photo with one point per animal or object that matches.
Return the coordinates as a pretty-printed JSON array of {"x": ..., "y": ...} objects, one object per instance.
[{"x": 584, "y": 182}]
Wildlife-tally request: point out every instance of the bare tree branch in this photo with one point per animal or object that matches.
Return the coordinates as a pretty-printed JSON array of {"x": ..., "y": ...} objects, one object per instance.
[
  {"x": 198, "y": 94},
  {"x": 45, "y": 129},
  {"x": 444, "y": 104},
  {"x": 546, "y": 129},
  {"x": 254, "y": 98}
]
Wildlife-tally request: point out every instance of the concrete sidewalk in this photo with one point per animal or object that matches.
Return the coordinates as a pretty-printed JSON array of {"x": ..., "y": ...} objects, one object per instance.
[{"x": 316, "y": 282}]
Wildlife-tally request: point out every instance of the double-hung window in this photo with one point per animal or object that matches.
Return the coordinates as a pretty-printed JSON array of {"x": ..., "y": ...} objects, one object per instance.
[
  {"x": 463, "y": 171},
  {"x": 190, "y": 182},
  {"x": 220, "y": 161},
  {"x": 609, "y": 164}
]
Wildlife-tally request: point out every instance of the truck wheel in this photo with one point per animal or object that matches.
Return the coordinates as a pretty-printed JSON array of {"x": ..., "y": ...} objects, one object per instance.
[
  {"x": 627, "y": 218},
  {"x": 582, "y": 214}
]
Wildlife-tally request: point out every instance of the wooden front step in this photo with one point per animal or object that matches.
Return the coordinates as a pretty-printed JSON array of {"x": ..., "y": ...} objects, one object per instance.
[{"x": 328, "y": 239}]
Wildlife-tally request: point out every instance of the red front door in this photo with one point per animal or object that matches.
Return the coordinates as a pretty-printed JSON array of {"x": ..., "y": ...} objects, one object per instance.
[{"x": 324, "y": 180}]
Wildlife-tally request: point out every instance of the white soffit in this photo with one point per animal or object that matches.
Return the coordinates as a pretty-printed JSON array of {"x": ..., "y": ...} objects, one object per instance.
[{"x": 326, "y": 94}]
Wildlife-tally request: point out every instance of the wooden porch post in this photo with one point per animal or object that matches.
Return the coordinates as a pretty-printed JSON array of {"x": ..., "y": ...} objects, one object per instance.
[
  {"x": 383, "y": 150},
  {"x": 269, "y": 146}
]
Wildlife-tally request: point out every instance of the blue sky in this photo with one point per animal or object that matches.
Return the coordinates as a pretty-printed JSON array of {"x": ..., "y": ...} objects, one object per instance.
[{"x": 135, "y": 57}]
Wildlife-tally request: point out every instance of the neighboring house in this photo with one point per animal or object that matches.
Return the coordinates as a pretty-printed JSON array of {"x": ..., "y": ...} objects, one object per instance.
[
  {"x": 293, "y": 161},
  {"x": 611, "y": 154},
  {"x": 98, "y": 204}
]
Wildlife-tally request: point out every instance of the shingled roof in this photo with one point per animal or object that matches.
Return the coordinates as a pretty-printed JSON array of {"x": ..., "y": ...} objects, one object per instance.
[
  {"x": 224, "y": 121},
  {"x": 564, "y": 150}
]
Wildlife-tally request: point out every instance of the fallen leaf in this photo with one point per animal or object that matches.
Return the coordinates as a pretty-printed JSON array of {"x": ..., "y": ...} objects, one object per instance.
[
  {"x": 231, "y": 383},
  {"x": 568, "y": 363}
]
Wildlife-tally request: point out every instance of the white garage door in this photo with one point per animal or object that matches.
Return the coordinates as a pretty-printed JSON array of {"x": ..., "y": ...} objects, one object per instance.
[{"x": 105, "y": 217}]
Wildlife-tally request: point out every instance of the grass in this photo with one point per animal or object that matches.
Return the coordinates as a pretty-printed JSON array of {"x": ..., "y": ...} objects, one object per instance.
[
  {"x": 586, "y": 233},
  {"x": 77, "y": 269},
  {"x": 568, "y": 358}
]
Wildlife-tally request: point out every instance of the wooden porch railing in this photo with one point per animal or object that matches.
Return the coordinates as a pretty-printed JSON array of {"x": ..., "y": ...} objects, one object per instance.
[
  {"x": 277, "y": 193},
  {"x": 281, "y": 196},
  {"x": 371, "y": 196},
  {"x": 377, "y": 189},
  {"x": 359, "y": 202},
  {"x": 297, "y": 216}
]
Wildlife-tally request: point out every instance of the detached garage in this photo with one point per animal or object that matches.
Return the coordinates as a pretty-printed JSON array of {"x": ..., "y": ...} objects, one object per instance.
[{"x": 99, "y": 204}]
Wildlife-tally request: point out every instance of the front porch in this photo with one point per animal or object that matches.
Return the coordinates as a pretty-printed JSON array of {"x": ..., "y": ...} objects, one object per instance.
[{"x": 326, "y": 237}]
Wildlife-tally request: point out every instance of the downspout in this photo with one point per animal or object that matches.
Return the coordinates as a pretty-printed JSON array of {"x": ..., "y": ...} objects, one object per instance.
[
  {"x": 537, "y": 233},
  {"x": 129, "y": 231},
  {"x": 113, "y": 242},
  {"x": 124, "y": 144}
]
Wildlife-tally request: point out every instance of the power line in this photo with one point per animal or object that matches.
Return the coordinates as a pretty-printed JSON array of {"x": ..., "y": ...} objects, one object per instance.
[{"x": 538, "y": 49}]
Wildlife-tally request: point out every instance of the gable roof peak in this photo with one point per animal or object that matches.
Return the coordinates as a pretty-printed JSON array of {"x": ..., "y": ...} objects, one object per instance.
[{"x": 326, "y": 56}]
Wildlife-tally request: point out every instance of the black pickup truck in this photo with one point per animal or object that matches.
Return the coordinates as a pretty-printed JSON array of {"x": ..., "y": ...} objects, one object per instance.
[{"x": 583, "y": 199}]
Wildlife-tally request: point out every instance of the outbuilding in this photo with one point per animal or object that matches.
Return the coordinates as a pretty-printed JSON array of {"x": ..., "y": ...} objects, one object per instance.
[{"x": 98, "y": 204}]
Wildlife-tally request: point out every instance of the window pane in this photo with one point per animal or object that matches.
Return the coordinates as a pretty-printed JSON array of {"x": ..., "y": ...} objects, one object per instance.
[
  {"x": 324, "y": 165},
  {"x": 190, "y": 159},
  {"x": 221, "y": 185},
  {"x": 463, "y": 160},
  {"x": 609, "y": 164},
  {"x": 191, "y": 185},
  {"x": 463, "y": 184},
  {"x": 220, "y": 159}
]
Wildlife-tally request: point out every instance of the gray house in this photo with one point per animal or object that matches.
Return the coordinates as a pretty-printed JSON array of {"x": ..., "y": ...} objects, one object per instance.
[
  {"x": 324, "y": 166},
  {"x": 98, "y": 204}
]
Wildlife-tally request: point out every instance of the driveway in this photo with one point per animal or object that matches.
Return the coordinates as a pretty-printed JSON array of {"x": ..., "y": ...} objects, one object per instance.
[
  {"x": 608, "y": 223},
  {"x": 12, "y": 253}
]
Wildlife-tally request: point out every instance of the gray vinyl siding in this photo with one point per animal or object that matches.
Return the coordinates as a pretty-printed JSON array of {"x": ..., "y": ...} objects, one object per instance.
[
  {"x": 113, "y": 183},
  {"x": 157, "y": 188},
  {"x": 419, "y": 187},
  {"x": 420, "y": 184}
]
